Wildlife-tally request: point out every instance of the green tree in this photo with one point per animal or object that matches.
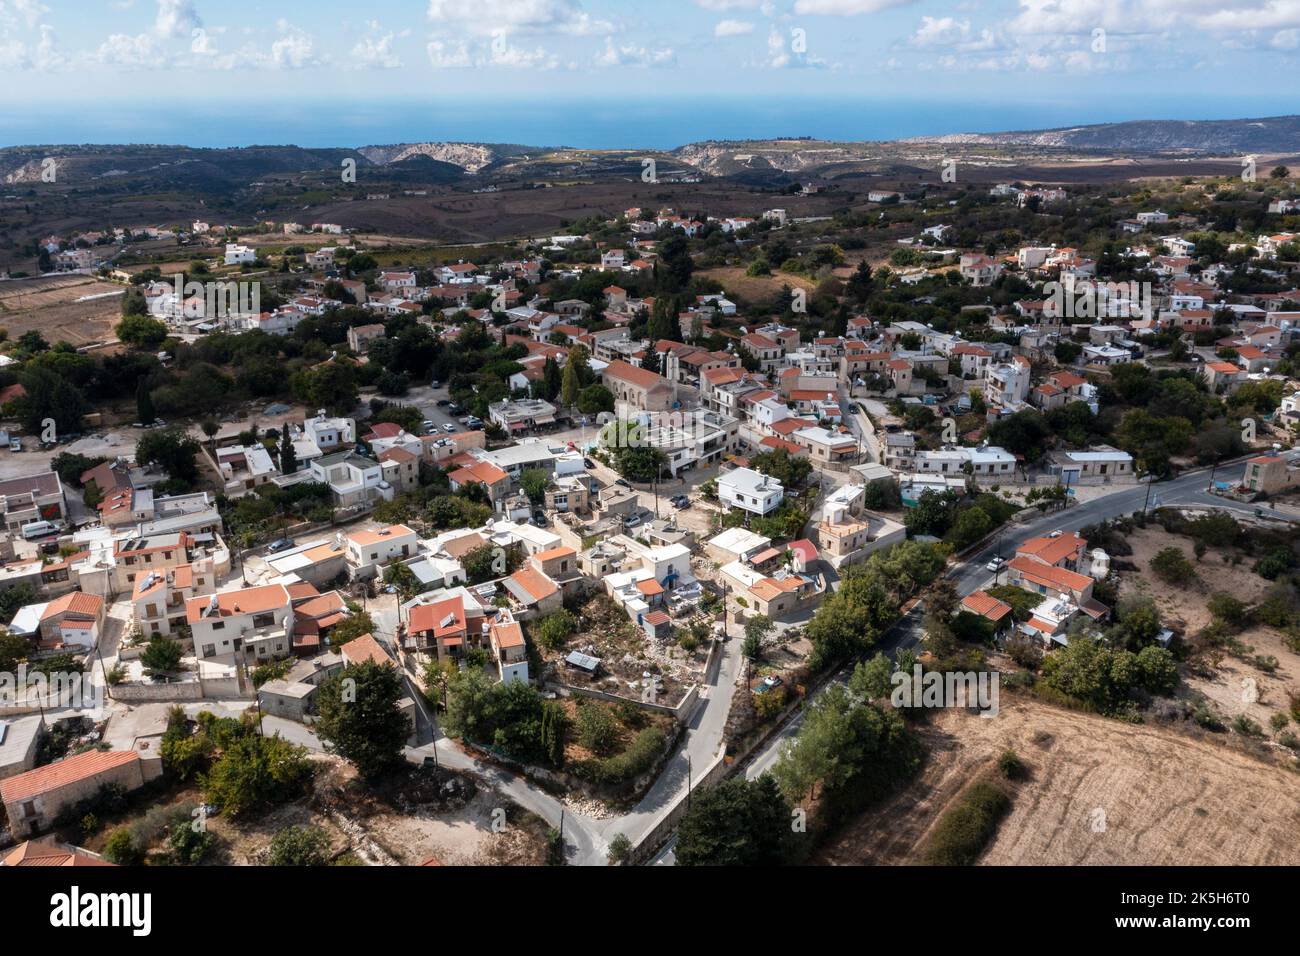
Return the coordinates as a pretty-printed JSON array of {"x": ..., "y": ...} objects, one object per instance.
[
  {"x": 533, "y": 483},
  {"x": 288, "y": 454},
  {"x": 359, "y": 718},
  {"x": 162, "y": 655},
  {"x": 173, "y": 451},
  {"x": 13, "y": 651},
  {"x": 737, "y": 823},
  {"x": 255, "y": 772},
  {"x": 144, "y": 410},
  {"x": 141, "y": 332},
  {"x": 554, "y": 630}
]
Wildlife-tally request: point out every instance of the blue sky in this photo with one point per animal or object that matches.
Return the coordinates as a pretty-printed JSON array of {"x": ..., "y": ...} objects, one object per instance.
[{"x": 1149, "y": 58}]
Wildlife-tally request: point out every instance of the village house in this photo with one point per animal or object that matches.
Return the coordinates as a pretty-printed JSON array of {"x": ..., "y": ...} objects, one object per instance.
[
  {"x": 249, "y": 623},
  {"x": 34, "y": 800},
  {"x": 637, "y": 388}
]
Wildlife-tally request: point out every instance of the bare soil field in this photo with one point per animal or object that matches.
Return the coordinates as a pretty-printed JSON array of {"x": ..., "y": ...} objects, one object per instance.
[
  {"x": 51, "y": 306},
  {"x": 1100, "y": 792},
  {"x": 756, "y": 288},
  {"x": 461, "y": 216}
]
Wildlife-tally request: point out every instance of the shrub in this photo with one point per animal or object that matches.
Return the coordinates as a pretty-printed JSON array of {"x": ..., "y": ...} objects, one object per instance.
[
  {"x": 1171, "y": 566},
  {"x": 597, "y": 729},
  {"x": 1011, "y": 766},
  {"x": 189, "y": 846},
  {"x": 121, "y": 848},
  {"x": 1247, "y": 727},
  {"x": 620, "y": 848},
  {"x": 966, "y": 829},
  {"x": 298, "y": 846}
]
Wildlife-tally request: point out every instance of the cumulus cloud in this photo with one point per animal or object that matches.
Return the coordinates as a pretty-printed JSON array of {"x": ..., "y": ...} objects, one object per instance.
[
  {"x": 951, "y": 32},
  {"x": 632, "y": 55},
  {"x": 293, "y": 49},
  {"x": 460, "y": 54},
  {"x": 518, "y": 16},
  {"x": 375, "y": 50},
  {"x": 176, "y": 19}
]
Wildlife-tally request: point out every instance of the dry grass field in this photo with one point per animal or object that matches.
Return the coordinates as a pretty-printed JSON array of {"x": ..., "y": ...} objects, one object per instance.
[
  {"x": 1167, "y": 798},
  {"x": 73, "y": 308}
]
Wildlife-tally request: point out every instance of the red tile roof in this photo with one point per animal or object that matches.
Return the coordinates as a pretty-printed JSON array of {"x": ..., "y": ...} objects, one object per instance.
[{"x": 84, "y": 766}]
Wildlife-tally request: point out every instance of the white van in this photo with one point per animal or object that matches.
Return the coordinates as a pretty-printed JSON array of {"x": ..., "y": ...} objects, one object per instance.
[{"x": 38, "y": 529}]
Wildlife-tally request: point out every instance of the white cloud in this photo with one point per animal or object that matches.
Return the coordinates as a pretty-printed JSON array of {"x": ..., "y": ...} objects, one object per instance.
[
  {"x": 1285, "y": 40},
  {"x": 953, "y": 33},
  {"x": 459, "y": 54},
  {"x": 449, "y": 56},
  {"x": 29, "y": 11},
  {"x": 131, "y": 52},
  {"x": 632, "y": 55},
  {"x": 375, "y": 50},
  {"x": 733, "y": 28},
  {"x": 485, "y": 17},
  {"x": 176, "y": 19},
  {"x": 1269, "y": 15},
  {"x": 845, "y": 8},
  {"x": 721, "y": 5},
  {"x": 293, "y": 49}
]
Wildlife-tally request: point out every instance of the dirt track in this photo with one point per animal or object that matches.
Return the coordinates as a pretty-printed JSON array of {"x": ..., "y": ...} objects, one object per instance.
[{"x": 1167, "y": 799}]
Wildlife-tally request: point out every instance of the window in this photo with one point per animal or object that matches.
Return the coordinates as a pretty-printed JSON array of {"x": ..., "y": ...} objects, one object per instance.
[
  {"x": 209, "y": 650},
  {"x": 218, "y": 625}
]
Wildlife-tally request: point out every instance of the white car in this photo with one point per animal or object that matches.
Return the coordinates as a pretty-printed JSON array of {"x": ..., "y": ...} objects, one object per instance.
[
  {"x": 996, "y": 564},
  {"x": 448, "y": 427}
]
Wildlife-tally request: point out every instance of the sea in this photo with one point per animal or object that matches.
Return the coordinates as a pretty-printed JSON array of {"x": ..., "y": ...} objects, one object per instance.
[{"x": 649, "y": 123}]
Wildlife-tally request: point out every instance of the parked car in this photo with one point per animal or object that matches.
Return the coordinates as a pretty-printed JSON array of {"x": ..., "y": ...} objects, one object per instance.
[
  {"x": 454, "y": 409},
  {"x": 443, "y": 402},
  {"x": 283, "y": 544},
  {"x": 428, "y": 425},
  {"x": 448, "y": 427},
  {"x": 622, "y": 482},
  {"x": 771, "y": 682},
  {"x": 996, "y": 564},
  {"x": 473, "y": 423},
  {"x": 631, "y": 521},
  {"x": 435, "y": 384},
  {"x": 587, "y": 463},
  {"x": 15, "y": 444},
  {"x": 680, "y": 501}
]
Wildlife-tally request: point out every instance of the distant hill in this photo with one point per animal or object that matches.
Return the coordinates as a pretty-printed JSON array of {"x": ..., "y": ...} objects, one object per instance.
[
  {"x": 175, "y": 167},
  {"x": 149, "y": 168},
  {"x": 1273, "y": 134}
]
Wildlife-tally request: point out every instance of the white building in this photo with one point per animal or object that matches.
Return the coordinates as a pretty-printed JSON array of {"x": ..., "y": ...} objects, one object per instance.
[
  {"x": 750, "y": 491},
  {"x": 237, "y": 254}
]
